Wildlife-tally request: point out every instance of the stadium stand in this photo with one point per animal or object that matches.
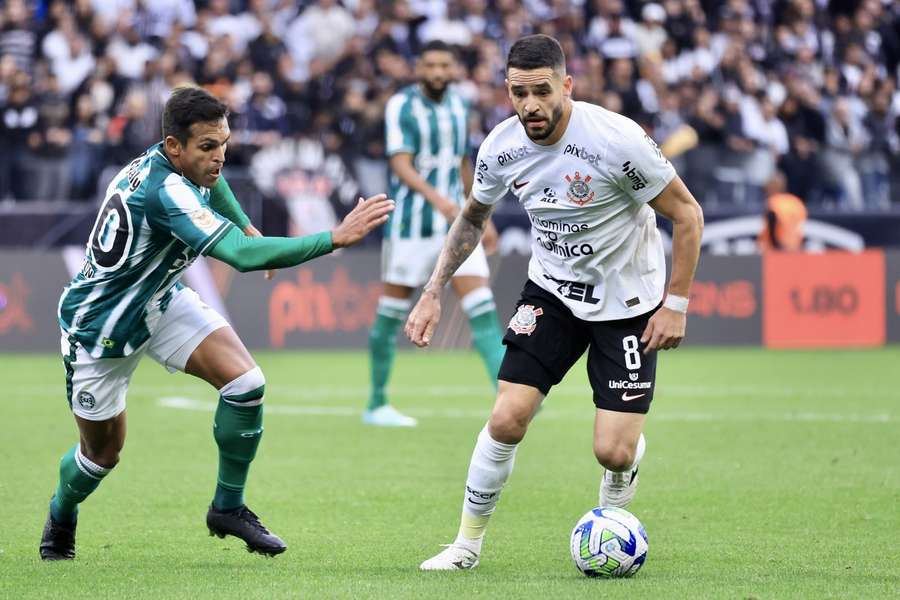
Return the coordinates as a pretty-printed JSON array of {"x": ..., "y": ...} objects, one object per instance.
[{"x": 733, "y": 90}]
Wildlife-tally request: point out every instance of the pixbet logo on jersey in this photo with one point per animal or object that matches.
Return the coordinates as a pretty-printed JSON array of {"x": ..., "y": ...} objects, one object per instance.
[
  {"x": 638, "y": 181},
  {"x": 512, "y": 154},
  {"x": 583, "y": 154}
]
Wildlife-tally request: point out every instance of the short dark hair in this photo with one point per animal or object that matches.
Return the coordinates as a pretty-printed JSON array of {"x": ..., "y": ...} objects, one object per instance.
[
  {"x": 536, "y": 52},
  {"x": 189, "y": 105},
  {"x": 437, "y": 46}
]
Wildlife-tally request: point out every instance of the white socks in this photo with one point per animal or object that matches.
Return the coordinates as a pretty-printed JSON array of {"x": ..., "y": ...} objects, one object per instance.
[{"x": 491, "y": 464}]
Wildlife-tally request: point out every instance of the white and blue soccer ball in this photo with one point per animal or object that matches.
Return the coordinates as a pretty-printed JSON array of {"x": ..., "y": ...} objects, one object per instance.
[{"x": 609, "y": 542}]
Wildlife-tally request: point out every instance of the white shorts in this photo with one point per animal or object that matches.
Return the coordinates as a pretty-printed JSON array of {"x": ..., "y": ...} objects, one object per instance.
[
  {"x": 97, "y": 386},
  {"x": 409, "y": 262}
]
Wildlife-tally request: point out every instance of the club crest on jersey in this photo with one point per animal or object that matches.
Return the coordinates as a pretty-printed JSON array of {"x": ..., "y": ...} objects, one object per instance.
[
  {"x": 579, "y": 191},
  {"x": 203, "y": 219},
  {"x": 525, "y": 319}
]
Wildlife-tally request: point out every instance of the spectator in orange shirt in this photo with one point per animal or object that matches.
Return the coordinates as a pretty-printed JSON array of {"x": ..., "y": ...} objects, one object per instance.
[{"x": 784, "y": 218}]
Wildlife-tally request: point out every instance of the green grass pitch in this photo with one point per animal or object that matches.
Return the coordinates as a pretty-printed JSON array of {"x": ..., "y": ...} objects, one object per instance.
[{"x": 767, "y": 475}]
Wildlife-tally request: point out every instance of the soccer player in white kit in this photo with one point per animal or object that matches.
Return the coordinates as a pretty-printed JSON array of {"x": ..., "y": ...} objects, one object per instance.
[{"x": 596, "y": 279}]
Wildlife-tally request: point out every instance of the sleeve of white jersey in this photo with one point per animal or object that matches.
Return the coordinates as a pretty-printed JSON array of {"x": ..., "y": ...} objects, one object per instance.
[
  {"x": 637, "y": 164},
  {"x": 487, "y": 187}
]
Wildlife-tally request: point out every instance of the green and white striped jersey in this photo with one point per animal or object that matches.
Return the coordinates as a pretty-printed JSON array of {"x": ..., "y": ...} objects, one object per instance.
[
  {"x": 152, "y": 225},
  {"x": 435, "y": 133}
]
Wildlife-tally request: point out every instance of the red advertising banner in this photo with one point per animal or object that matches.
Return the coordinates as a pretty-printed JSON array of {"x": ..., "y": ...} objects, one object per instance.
[{"x": 830, "y": 299}]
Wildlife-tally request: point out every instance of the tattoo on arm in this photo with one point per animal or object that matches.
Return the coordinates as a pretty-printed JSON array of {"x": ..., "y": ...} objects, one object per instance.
[{"x": 462, "y": 238}]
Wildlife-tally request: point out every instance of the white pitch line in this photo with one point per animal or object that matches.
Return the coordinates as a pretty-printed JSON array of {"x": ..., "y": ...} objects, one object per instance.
[
  {"x": 305, "y": 393},
  {"x": 548, "y": 413}
]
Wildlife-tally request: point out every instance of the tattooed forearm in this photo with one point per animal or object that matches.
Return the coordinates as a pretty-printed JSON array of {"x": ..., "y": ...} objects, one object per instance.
[{"x": 461, "y": 240}]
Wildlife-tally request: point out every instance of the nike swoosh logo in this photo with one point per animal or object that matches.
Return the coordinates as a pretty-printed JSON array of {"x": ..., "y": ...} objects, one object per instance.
[
  {"x": 626, "y": 397},
  {"x": 517, "y": 185}
]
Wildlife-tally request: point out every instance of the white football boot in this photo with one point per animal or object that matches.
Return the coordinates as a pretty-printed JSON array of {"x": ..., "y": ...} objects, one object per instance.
[
  {"x": 453, "y": 557},
  {"x": 617, "y": 489},
  {"x": 388, "y": 416}
]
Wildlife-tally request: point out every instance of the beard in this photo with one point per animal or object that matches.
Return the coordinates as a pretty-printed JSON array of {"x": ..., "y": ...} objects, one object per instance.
[
  {"x": 545, "y": 131},
  {"x": 435, "y": 91}
]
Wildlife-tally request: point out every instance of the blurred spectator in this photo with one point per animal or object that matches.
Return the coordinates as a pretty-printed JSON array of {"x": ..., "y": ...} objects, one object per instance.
[
  {"x": 130, "y": 132},
  {"x": 805, "y": 125},
  {"x": 49, "y": 143},
  {"x": 620, "y": 80},
  {"x": 240, "y": 28},
  {"x": 730, "y": 88},
  {"x": 612, "y": 33},
  {"x": 266, "y": 50},
  {"x": 650, "y": 33},
  {"x": 768, "y": 135},
  {"x": 86, "y": 149},
  {"x": 317, "y": 37},
  {"x": 845, "y": 140},
  {"x": 129, "y": 52},
  {"x": 783, "y": 220},
  {"x": 17, "y": 36},
  {"x": 874, "y": 165},
  {"x": 20, "y": 119},
  {"x": 71, "y": 60},
  {"x": 263, "y": 121}
]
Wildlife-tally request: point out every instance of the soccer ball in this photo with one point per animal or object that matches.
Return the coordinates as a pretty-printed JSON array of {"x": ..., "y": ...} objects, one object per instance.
[{"x": 609, "y": 542}]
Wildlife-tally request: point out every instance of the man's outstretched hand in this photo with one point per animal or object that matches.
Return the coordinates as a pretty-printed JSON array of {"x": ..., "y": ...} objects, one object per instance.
[{"x": 365, "y": 216}]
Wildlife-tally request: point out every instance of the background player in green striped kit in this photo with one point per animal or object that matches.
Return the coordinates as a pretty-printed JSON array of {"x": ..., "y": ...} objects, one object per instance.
[
  {"x": 426, "y": 129},
  {"x": 168, "y": 206}
]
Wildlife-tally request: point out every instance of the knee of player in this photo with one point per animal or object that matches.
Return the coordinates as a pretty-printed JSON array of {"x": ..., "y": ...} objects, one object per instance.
[
  {"x": 507, "y": 427},
  {"x": 106, "y": 455},
  {"x": 247, "y": 389},
  {"x": 615, "y": 457}
]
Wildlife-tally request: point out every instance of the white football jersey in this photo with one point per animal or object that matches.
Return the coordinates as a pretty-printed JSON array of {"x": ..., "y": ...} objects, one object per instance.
[{"x": 594, "y": 245}]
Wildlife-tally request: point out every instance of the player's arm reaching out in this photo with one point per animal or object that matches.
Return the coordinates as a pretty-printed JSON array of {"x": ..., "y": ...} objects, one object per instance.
[
  {"x": 246, "y": 253},
  {"x": 223, "y": 201},
  {"x": 666, "y": 328},
  {"x": 461, "y": 240}
]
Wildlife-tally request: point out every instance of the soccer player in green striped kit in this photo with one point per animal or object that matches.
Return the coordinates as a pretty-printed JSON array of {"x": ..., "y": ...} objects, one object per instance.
[
  {"x": 164, "y": 209},
  {"x": 427, "y": 145}
]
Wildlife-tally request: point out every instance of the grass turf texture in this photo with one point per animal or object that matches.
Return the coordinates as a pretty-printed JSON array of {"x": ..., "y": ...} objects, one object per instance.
[{"x": 767, "y": 475}]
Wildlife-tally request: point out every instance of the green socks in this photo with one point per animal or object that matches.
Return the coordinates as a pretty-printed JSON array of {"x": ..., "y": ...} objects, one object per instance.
[
  {"x": 237, "y": 429},
  {"x": 78, "y": 477},
  {"x": 383, "y": 345},
  {"x": 486, "y": 335}
]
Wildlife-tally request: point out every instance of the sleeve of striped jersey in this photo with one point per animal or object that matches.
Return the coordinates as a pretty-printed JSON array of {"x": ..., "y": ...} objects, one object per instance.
[
  {"x": 637, "y": 165},
  {"x": 255, "y": 253},
  {"x": 399, "y": 126},
  {"x": 222, "y": 200},
  {"x": 182, "y": 211},
  {"x": 487, "y": 187}
]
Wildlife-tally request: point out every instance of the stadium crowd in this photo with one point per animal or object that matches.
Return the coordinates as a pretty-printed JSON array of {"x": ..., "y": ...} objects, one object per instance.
[{"x": 734, "y": 90}]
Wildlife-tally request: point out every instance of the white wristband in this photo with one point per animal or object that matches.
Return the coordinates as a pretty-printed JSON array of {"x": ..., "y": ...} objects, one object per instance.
[{"x": 676, "y": 303}]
